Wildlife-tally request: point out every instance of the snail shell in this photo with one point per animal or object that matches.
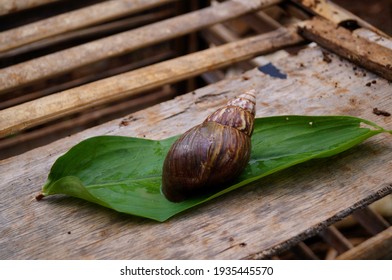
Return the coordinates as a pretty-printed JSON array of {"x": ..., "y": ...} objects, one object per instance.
[{"x": 211, "y": 154}]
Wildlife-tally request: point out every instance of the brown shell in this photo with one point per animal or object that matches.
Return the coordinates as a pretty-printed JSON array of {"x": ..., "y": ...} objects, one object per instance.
[{"x": 209, "y": 155}]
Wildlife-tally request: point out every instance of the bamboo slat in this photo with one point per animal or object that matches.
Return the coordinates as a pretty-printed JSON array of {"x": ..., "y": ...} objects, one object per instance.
[
  {"x": 334, "y": 13},
  {"x": 47, "y": 134},
  {"x": 77, "y": 99},
  {"x": 62, "y": 61},
  {"x": 66, "y": 22},
  {"x": 304, "y": 252},
  {"x": 87, "y": 79},
  {"x": 376, "y": 248},
  {"x": 267, "y": 19},
  {"x": 219, "y": 34},
  {"x": 342, "y": 41},
  {"x": 385, "y": 41},
  {"x": 336, "y": 239},
  {"x": 373, "y": 222},
  {"x": 11, "y": 6},
  {"x": 101, "y": 29}
]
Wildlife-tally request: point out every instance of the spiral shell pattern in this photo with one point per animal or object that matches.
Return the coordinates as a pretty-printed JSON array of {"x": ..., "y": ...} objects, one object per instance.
[{"x": 239, "y": 113}]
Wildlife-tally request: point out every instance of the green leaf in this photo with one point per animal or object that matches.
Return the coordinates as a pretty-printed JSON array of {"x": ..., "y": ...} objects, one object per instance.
[{"x": 124, "y": 173}]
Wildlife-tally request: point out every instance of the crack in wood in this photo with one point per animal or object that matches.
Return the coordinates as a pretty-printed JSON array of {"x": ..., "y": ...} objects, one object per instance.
[
  {"x": 210, "y": 96},
  {"x": 177, "y": 114},
  {"x": 242, "y": 244}
]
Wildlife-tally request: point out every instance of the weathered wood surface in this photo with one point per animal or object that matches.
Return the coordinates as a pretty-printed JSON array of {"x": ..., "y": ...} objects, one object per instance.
[
  {"x": 252, "y": 222},
  {"x": 72, "y": 58},
  {"x": 114, "y": 26},
  {"x": 369, "y": 55},
  {"x": 334, "y": 13},
  {"x": 11, "y": 6},
  {"x": 77, "y": 99},
  {"x": 66, "y": 22},
  {"x": 385, "y": 41}
]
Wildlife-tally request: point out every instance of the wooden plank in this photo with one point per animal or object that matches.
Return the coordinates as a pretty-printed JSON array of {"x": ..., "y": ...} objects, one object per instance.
[
  {"x": 378, "y": 247},
  {"x": 12, "y": 6},
  {"x": 334, "y": 13},
  {"x": 26, "y": 141},
  {"x": 47, "y": 108},
  {"x": 374, "y": 37},
  {"x": 219, "y": 34},
  {"x": 256, "y": 221},
  {"x": 88, "y": 32},
  {"x": 73, "y": 20},
  {"x": 87, "y": 79},
  {"x": 369, "y": 55},
  {"x": 62, "y": 61}
]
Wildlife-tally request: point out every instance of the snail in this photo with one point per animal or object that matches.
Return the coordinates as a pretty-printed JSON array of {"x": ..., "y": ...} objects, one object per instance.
[{"x": 210, "y": 155}]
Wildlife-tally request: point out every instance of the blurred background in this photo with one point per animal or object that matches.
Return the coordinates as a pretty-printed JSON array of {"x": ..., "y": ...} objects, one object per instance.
[{"x": 376, "y": 12}]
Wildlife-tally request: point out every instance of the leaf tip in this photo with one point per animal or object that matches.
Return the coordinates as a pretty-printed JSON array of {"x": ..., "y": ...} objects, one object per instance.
[{"x": 371, "y": 126}]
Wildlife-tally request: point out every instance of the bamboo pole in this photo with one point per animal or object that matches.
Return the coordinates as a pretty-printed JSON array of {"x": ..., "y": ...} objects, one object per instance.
[
  {"x": 16, "y": 145},
  {"x": 219, "y": 34},
  {"x": 77, "y": 99},
  {"x": 88, "y": 32},
  {"x": 87, "y": 79},
  {"x": 375, "y": 248},
  {"x": 11, "y": 6},
  {"x": 66, "y": 60},
  {"x": 74, "y": 20},
  {"x": 336, "y": 239}
]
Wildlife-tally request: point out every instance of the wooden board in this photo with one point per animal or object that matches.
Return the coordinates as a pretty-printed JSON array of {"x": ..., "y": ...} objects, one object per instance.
[
  {"x": 73, "y": 20},
  {"x": 72, "y": 58},
  {"x": 339, "y": 40},
  {"x": 12, "y": 6},
  {"x": 134, "y": 82},
  {"x": 253, "y": 222}
]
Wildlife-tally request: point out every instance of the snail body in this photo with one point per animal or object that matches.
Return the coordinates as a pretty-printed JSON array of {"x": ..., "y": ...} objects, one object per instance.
[{"x": 211, "y": 154}]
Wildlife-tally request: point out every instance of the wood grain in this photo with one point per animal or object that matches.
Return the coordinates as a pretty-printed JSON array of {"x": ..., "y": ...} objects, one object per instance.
[
  {"x": 89, "y": 32},
  {"x": 66, "y": 22},
  {"x": 12, "y": 6},
  {"x": 76, "y": 99},
  {"x": 334, "y": 13},
  {"x": 369, "y": 55},
  {"x": 253, "y": 222},
  {"x": 62, "y": 61}
]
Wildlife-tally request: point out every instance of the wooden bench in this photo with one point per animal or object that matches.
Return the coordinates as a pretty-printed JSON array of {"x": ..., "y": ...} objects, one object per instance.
[{"x": 258, "y": 221}]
